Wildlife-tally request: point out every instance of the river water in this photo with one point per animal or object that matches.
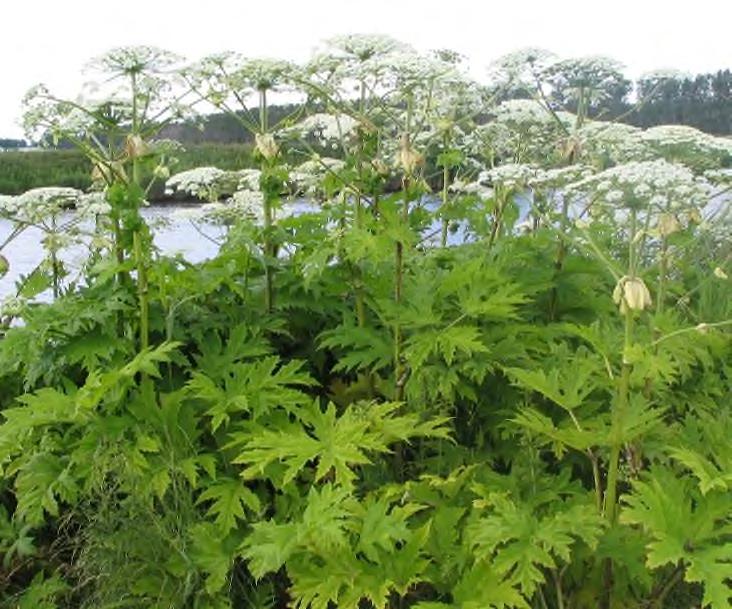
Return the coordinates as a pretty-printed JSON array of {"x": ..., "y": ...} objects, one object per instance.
[{"x": 173, "y": 234}]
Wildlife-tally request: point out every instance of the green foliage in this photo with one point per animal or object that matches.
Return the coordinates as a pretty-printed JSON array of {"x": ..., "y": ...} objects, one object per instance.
[{"x": 344, "y": 409}]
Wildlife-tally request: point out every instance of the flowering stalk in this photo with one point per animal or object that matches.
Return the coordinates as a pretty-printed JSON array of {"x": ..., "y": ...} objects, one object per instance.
[
  {"x": 140, "y": 262},
  {"x": 358, "y": 288},
  {"x": 408, "y": 160},
  {"x": 629, "y": 303},
  {"x": 445, "y": 179},
  {"x": 54, "y": 259},
  {"x": 268, "y": 200},
  {"x": 444, "y": 195},
  {"x": 662, "y": 274},
  {"x": 501, "y": 196}
]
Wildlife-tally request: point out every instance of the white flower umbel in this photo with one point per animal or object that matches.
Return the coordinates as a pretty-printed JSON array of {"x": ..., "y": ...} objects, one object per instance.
[
  {"x": 135, "y": 60},
  {"x": 12, "y": 306},
  {"x": 308, "y": 176},
  {"x": 345, "y": 60},
  {"x": 363, "y": 47},
  {"x": 133, "y": 89},
  {"x": 326, "y": 128},
  {"x": 229, "y": 79},
  {"x": 93, "y": 204},
  {"x": 40, "y": 203},
  {"x": 679, "y": 143},
  {"x": 248, "y": 179},
  {"x": 589, "y": 79},
  {"x": 719, "y": 177},
  {"x": 522, "y": 113},
  {"x": 664, "y": 185},
  {"x": 604, "y": 143},
  {"x": 243, "y": 205},
  {"x": 476, "y": 187},
  {"x": 7, "y": 204},
  {"x": 205, "y": 183},
  {"x": 558, "y": 178},
  {"x": 511, "y": 176},
  {"x": 522, "y": 130},
  {"x": 521, "y": 70}
]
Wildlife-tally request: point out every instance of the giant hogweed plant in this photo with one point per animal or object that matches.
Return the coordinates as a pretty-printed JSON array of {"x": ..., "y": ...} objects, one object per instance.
[
  {"x": 536, "y": 417},
  {"x": 114, "y": 122}
]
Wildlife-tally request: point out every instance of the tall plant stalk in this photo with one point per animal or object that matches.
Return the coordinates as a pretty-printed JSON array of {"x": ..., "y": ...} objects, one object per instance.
[
  {"x": 399, "y": 369},
  {"x": 620, "y": 409},
  {"x": 268, "y": 199},
  {"x": 137, "y": 245}
]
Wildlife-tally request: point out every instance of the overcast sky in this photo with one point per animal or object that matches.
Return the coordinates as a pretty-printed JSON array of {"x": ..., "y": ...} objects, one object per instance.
[{"x": 49, "y": 40}]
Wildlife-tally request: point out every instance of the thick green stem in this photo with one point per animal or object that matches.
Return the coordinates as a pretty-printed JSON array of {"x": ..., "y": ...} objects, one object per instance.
[
  {"x": 399, "y": 370},
  {"x": 559, "y": 259},
  {"x": 137, "y": 244},
  {"x": 269, "y": 248},
  {"x": 398, "y": 284},
  {"x": 662, "y": 273},
  {"x": 142, "y": 291},
  {"x": 356, "y": 270},
  {"x": 269, "y": 255},
  {"x": 495, "y": 226},
  {"x": 620, "y": 408},
  {"x": 55, "y": 267},
  {"x": 443, "y": 207}
]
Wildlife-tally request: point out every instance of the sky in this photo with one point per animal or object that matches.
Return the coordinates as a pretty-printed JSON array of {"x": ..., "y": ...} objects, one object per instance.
[{"x": 49, "y": 41}]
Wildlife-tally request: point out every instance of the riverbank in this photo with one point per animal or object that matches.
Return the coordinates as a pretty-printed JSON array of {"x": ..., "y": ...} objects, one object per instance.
[{"x": 22, "y": 170}]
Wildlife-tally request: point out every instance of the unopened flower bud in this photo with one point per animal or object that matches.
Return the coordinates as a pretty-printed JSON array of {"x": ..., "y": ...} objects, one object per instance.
[
  {"x": 4, "y": 266},
  {"x": 266, "y": 145},
  {"x": 162, "y": 172},
  {"x": 136, "y": 147},
  {"x": 408, "y": 158},
  {"x": 702, "y": 328},
  {"x": 719, "y": 273},
  {"x": 695, "y": 216},
  {"x": 380, "y": 167},
  {"x": 631, "y": 293},
  {"x": 668, "y": 224}
]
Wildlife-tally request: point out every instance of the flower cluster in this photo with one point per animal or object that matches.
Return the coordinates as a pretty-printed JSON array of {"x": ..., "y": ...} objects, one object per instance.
[
  {"x": 509, "y": 176},
  {"x": 679, "y": 143},
  {"x": 222, "y": 76},
  {"x": 596, "y": 76},
  {"x": 639, "y": 184},
  {"x": 135, "y": 60},
  {"x": 12, "y": 306},
  {"x": 93, "y": 204},
  {"x": 475, "y": 187},
  {"x": 520, "y": 70},
  {"x": 554, "y": 179},
  {"x": 326, "y": 128},
  {"x": 248, "y": 179},
  {"x": 40, "y": 203},
  {"x": 308, "y": 176},
  {"x": 364, "y": 46},
  {"x": 522, "y": 130},
  {"x": 607, "y": 143},
  {"x": 206, "y": 183}
]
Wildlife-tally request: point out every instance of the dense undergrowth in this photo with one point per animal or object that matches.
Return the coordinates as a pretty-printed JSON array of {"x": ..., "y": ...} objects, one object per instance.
[{"x": 343, "y": 409}]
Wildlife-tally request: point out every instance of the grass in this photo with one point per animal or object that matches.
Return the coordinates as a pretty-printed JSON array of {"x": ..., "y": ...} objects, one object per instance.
[{"x": 21, "y": 171}]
